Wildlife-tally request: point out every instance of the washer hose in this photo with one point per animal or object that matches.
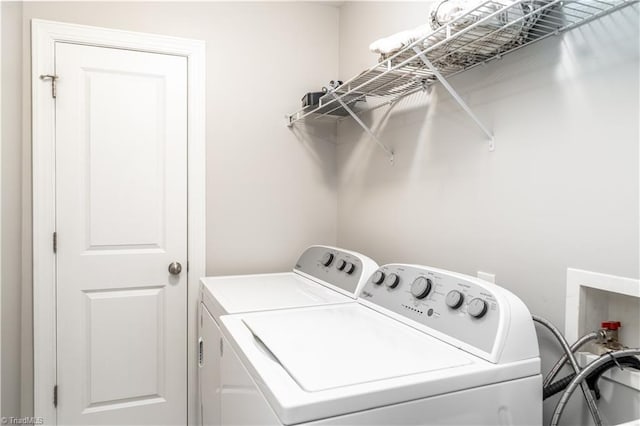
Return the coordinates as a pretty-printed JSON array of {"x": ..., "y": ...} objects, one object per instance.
[
  {"x": 582, "y": 375},
  {"x": 555, "y": 387},
  {"x": 592, "y": 379},
  {"x": 591, "y": 403},
  {"x": 577, "y": 345}
]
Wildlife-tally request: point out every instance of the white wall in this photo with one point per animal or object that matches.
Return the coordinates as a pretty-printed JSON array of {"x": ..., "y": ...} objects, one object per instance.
[
  {"x": 561, "y": 189},
  {"x": 270, "y": 191}
]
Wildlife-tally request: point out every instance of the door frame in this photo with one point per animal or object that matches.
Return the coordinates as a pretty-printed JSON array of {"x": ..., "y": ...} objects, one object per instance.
[{"x": 44, "y": 35}]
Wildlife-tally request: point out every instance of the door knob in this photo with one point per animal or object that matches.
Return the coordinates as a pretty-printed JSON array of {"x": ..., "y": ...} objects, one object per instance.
[{"x": 175, "y": 268}]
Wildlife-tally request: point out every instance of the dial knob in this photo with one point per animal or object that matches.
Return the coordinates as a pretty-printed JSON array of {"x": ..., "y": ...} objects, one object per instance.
[
  {"x": 349, "y": 268},
  {"x": 421, "y": 287},
  {"x": 454, "y": 299},
  {"x": 392, "y": 281},
  {"x": 378, "y": 277},
  {"x": 327, "y": 259},
  {"x": 477, "y": 308},
  {"x": 341, "y": 264}
]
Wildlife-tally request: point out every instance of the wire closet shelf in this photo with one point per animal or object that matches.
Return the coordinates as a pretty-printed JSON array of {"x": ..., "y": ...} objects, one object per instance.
[{"x": 487, "y": 32}]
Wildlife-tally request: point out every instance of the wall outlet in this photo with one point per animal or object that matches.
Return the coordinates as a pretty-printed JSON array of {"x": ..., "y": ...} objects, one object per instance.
[{"x": 487, "y": 276}]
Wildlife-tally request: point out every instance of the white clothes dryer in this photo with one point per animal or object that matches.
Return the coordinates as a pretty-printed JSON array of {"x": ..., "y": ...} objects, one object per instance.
[
  {"x": 421, "y": 346},
  {"x": 321, "y": 276}
]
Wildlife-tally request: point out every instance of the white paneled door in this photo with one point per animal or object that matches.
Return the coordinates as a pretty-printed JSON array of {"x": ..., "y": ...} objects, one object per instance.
[{"x": 121, "y": 221}]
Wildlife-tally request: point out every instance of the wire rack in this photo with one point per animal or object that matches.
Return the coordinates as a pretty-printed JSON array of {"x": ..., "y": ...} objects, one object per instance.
[{"x": 487, "y": 32}]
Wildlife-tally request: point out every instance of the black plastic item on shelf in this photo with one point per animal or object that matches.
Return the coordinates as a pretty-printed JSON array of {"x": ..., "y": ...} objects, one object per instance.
[
  {"x": 592, "y": 379},
  {"x": 311, "y": 99}
]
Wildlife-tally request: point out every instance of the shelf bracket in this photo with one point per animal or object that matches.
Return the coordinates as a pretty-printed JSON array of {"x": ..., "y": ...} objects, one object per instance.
[
  {"x": 455, "y": 95},
  {"x": 384, "y": 147}
]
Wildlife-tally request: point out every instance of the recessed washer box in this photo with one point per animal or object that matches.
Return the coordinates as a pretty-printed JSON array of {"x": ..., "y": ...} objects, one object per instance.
[{"x": 592, "y": 298}]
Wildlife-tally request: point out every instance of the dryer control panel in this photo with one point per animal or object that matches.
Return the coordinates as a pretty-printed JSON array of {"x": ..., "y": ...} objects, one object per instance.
[
  {"x": 464, "y": 311},
  {"x": 345, "y": 270}
]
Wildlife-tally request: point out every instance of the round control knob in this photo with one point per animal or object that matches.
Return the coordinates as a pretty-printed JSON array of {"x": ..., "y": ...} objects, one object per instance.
[
  {"x": 477, "y": 308},
  {"x": 327, "y": 259},
  {"x": 341, "y": 264},
  {"x": 349, "y": 268},
  {"x": 378, "y": 277},
  {"x": 421, "y": 287},
  {"x": 392, "y": 281},
  {"x": 454, "y": 299}
]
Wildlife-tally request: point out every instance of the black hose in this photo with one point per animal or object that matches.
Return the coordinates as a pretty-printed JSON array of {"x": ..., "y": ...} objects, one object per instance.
[
  {"x": 557, "y": 386},
  {"x": 580, "y": 378},
  {"x": 593, "y": 377},
  {"x": 625, "y": 361}
]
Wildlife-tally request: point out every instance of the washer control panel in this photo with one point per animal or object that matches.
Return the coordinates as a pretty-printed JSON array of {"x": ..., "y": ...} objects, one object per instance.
[
  {"x": 344, "y": 269},
  {"x": 459, "y": 307}
]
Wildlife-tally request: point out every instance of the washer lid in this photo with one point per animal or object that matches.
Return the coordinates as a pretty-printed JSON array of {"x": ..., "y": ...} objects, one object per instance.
[
  {"x": 333, "y": 347},
  {"x": 262, "y": 292}
]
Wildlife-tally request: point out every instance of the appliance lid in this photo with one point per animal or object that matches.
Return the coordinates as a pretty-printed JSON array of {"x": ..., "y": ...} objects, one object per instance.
[
  {"x": 261, "y": 292},
  {"x": 344, "y": 345}
]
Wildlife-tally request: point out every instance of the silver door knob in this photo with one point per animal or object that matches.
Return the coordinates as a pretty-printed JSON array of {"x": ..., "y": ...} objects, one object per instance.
[{"x": 175, "y": 268}]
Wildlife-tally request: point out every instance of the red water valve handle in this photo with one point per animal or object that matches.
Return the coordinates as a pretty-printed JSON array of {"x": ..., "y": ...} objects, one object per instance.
[{"x": 611, "y": 325}]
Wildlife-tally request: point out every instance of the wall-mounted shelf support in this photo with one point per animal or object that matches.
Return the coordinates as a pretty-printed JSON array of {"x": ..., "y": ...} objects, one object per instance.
[
  {"x": 366, "y": 128},
  {"x": 486, "y": 32},
  {"x": 455, "y": 95}
]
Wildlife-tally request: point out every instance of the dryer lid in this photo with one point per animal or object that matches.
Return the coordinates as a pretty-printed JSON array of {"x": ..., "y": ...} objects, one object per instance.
[
  {"x": 263, "y": 292},
  {"x": 345, "y": 345}
]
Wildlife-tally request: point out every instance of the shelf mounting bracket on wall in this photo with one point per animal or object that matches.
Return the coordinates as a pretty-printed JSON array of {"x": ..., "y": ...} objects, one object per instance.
[
  {"x": 366, "y": 128},
  {"x": 455, "y": 95}
]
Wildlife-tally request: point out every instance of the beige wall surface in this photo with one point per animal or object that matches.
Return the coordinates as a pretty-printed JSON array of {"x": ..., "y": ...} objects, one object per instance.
[
  {"x": 12, "y": 215},
  {"x": 561, "y": 189},
  {"x": 270, "y": 190}
]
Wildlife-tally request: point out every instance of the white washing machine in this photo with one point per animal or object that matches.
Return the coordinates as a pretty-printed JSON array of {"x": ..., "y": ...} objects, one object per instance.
[
  {"x": 321, "y": 276},
  {"x": 421, "y": 346}
]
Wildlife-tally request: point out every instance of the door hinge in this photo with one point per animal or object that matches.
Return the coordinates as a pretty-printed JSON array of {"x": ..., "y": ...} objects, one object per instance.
[
  {"x": 55, "y": 242},
  {"x": 221, "y": 347},
  {"x": 55, "y": 396},
  {"x": 53, "y": 79},
  {"x": 200, "y": 352}
]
